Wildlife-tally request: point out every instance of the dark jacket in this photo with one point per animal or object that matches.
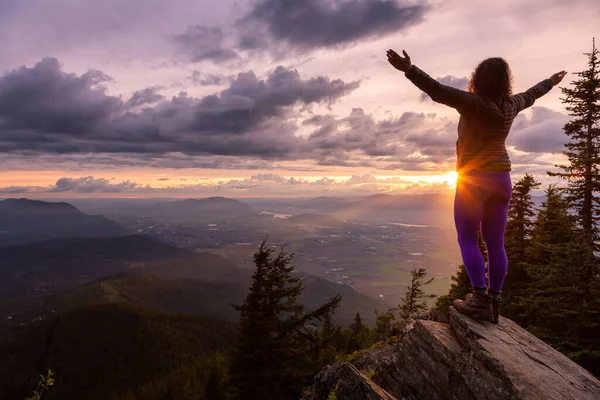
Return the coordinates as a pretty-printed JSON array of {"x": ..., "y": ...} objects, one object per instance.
[{"x": 484, "y": 122}]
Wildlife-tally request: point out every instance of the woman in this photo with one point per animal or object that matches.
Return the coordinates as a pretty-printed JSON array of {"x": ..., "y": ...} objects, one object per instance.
[{"x": 483, "y": 189}]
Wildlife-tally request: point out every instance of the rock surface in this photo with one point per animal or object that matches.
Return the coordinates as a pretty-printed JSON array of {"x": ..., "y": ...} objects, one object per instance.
[
  {"x": 463, "y": 360},
  {"x": 347, "y": 382}
]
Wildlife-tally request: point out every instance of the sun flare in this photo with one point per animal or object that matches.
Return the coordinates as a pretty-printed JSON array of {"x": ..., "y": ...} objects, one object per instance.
[{"x": 451, "y": 178}]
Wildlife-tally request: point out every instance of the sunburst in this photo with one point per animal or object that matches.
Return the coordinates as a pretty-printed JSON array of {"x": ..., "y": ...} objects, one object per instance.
[{"x": 451, "y": 178}]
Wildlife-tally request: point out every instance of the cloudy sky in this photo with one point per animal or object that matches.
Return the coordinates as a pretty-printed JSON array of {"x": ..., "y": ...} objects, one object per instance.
[{"x": 248, "y": 98}]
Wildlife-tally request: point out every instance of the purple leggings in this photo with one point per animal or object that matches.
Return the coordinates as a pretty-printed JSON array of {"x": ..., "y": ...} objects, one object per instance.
[{"x": 482, "y": 200}]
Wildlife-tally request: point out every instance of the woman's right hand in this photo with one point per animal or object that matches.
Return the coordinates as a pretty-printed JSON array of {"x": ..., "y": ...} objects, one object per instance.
[{"x": 557, "y": 77}]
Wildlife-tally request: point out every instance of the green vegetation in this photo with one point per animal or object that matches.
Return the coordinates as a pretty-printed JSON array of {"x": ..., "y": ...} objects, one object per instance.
[
  {"x": 461, "y": 285},
  {"x": 121, "y": 338},
  {"x": 414, "y": 301},
  {"x": 115, "y": 351},
  {"x": 46, "y": 381},
  {"x": 278, "y": 350}
]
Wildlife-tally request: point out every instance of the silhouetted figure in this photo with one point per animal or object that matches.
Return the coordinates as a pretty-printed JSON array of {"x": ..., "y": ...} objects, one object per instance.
[{"x": 484, "y": 188}]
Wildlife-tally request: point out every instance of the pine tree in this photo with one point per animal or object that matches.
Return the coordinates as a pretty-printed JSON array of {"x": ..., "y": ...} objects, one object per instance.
[
  {"x": 574, "y": 324},
  {"x": 270, "y": 359},
  {"x": 554, "y": 235},
  {"x": 518, "y": 235},
  {"x": 552, "y": 306},
  {"x": 323, "y": 343},
  {"x": 357, "y": 326},
  {"x": 458, "y": 289},
  {"x": 583, "y": 152},
  {"x": 520, "y": 215},
  {"x": 414, "y": 301},
  {"x": 386, "y": 325},
  {"x": 358, "y": 334},
  {"x": 215, "y": 388}
]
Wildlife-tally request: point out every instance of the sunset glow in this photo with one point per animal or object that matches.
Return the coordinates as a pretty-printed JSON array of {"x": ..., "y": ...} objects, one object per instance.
[
  {"x": 452, "y": 177},
  {"x": 107, "y": 102}
]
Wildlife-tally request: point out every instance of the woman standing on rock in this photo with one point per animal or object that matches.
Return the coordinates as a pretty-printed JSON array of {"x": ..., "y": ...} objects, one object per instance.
[{"x": 484, "y": 188}]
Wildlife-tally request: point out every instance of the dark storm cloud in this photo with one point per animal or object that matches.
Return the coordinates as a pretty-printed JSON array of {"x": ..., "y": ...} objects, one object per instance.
[
  {"x": 90, "y": 184},
  {"x": 458, "y": 83},
  {"x": 47, "y": 110},
  {"x": 360, "y": 131},
  {"x": 413, "y": 140},
  {"x": 45, "y": 99},
  {"x": 145, "y": 96},
  {"x": 310, "y": 24},
  {"x": 87, "y": 184},
  {"x": 203, "y": 43},
  {"x": 249, "y": 100}
]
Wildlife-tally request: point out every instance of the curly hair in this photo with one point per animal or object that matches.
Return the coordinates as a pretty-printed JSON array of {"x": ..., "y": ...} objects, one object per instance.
[{"x": 491, "y": 78}]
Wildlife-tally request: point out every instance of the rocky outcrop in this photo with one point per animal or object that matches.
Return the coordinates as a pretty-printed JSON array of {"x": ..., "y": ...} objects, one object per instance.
[
  {"x": 345, "y": 381},
  {"x": 463, "y": 360}
]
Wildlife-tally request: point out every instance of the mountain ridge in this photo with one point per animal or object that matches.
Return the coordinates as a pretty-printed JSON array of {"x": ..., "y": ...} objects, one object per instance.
[{"x": 26, "y": 221}]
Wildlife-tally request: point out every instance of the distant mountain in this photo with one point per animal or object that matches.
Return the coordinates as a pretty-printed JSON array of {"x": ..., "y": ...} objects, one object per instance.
[
  {"x": 420, "y": 209},
  {"x": 192, "y": 297},
  {"x": 317, "y": 220},
  {"x": 134, "y": 331},
  {"x": 110, "y": 350},
  {"x": 319, "y": 290},
  {"x": 45, "y": 267},
  {"x": 62, "y": 265},
  {"x": 324, "y": 204},
  {"x": 150, "y": 292},
  {"x": 208, "y": 209},
  {"x": 25, "y": 221}
]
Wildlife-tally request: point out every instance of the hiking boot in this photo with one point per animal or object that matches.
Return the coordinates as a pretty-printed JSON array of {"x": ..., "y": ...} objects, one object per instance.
[
  {"x": 496, "y": 300},
  {"x": 476, "y": 305}
]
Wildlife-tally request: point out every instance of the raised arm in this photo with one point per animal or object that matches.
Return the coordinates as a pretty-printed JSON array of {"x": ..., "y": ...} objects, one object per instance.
[
  {"x": 527, "y": 98},
  {"x": 455, "y": 98}
]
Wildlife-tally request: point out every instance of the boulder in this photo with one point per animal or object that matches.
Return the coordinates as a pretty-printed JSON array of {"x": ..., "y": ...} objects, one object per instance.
[
  {"x": 344, "y": 381},
  {"x": 464, "y": 360}
]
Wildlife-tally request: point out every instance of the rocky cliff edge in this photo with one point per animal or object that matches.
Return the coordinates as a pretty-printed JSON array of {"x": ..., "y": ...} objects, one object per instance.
[{"x": 463, "y": 360}]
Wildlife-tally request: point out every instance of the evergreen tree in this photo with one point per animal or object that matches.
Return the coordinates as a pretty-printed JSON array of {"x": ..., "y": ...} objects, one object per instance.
[
  {"x": 358, "y": 334},
  {"x": 270, "y": 360},
  {"x": 386, "y": 325},
  {"x": 583, "y": 152},
  {"x": 520, "y": 214},
  {"x": 357, "y": 326},
  {"x": 414, "y": 301},
  {"x": 553, "y": 307},
  {"x": 458, "y": 289},
  {"x": 518, "y": 235},
  {"x": 555, "y": 234},
  {"x": 215, "y": 388},
  {"x": 323, "y": 343}
]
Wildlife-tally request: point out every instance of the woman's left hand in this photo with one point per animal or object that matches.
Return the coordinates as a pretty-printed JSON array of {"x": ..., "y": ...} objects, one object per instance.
[{"x": 400, "y": 63}]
